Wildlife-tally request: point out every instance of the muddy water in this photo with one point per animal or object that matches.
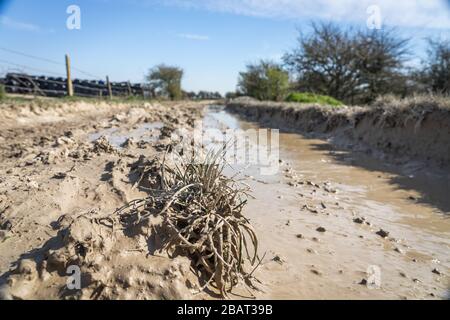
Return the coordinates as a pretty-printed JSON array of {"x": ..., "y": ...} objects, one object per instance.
[
  {"x": 117, "y": 137},
  {"x": 411, "y": 202}
]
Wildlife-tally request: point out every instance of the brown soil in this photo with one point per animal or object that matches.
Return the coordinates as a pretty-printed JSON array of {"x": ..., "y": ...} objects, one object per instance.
[
  {"x": 60, "y": 181},
  {"x": 65, "y": 168},
  {"x": 416, "y": 128},
  {"x": 332, "y": 214}
]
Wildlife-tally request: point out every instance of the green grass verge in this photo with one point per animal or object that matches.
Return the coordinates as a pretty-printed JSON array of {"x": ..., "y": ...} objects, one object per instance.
[{"x": 302, "y": 97}]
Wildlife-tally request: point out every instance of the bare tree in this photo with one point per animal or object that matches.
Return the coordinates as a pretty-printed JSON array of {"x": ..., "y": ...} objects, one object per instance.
[
  {"x": 323, "y": 63},
  {"x": 379, "y": 60},
  {"x": 437, "y": 67},
  {"x": 347, "y": 64}
]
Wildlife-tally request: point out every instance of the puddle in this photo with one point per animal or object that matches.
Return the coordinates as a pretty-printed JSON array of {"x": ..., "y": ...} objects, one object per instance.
[
  {"x": 147, "y": 132},
  {"x": 388, "y": 196}
]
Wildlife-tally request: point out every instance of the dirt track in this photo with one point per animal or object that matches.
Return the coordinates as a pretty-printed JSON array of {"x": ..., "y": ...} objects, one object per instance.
[
  {"x": 57, "y": 171},
  {"x": 55, "y": 165},
  {"x": 417, "y": 128}
]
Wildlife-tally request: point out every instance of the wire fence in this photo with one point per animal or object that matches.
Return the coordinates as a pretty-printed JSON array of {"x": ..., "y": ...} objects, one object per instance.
[
  {"x": 22, "y": 79},
  {"x": 22, "y": 83}
]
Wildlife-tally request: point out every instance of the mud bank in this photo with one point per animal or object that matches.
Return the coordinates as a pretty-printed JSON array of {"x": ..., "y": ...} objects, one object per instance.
[{"x": 416, "y": 128}]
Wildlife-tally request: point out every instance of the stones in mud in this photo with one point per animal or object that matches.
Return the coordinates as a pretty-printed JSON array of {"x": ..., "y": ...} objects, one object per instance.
[
  {"x": 5, "y": 225},
  {"x": 321, "y": 229},
  {"x": 3, "y": 235},
  {"x": 299, "y": 236},
  {"x": 382, "y": 233},
  {"x": 436, "y": 271},
  {"x": 60, "y": 175},
  {"x": 363, "y": 282},
  {"x": 397, "y": 249},
  {"x": 316, "y": 272},
  {"x": 310, "y": 209},
  {"x": 359, "y": 220},
  {"x": 311, "y": 183},
  {"x": 278, "y": 259}
]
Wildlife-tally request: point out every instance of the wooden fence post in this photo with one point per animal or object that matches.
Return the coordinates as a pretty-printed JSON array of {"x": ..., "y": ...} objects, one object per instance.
[
  {"x": 69, "y": 79},
  {"x": 130, "y": 92},
  {"x": 108, "y": 84}
]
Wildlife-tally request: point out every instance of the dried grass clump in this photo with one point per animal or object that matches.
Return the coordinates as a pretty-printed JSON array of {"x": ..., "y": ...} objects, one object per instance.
[
  {"x": 417, "y": 102},
  {"x": 202, "y": 214}
]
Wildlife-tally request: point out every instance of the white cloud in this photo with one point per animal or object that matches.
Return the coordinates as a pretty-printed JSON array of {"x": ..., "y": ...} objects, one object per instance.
[
  {"x": 18, "y": 25},
  {"x": 403, "y": 13},
  {"x": 190, "y": 36}
]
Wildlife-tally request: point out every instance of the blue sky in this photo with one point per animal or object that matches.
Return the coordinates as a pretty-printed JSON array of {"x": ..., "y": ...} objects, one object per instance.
[{"x": 211, "y": 39}]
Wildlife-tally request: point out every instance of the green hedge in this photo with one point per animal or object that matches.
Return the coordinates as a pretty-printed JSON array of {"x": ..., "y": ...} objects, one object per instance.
[{"x": 302, "y": 97}]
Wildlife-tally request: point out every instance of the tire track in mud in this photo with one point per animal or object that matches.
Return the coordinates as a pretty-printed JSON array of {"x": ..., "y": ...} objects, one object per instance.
[{"x": 325, "y": 225}]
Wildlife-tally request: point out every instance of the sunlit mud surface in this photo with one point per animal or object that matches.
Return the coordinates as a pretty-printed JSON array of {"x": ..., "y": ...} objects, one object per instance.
[
  {"x": 117, "y": 137},
  {"x": 332, "y": 223},
  {"x": 352, "y": 197}
]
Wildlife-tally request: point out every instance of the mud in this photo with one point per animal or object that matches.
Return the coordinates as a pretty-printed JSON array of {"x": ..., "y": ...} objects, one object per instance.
[
  {"x": 418, "y": 128},
  {"x": 65, "y": 168},
  {"x": 331, "y": 219}
]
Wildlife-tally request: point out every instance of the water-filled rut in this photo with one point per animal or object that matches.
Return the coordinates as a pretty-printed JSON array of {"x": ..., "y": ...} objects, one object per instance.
[{"x": 339, "y": 224}]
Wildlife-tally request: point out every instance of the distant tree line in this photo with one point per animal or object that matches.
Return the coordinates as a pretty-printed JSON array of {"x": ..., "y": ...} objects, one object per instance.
[
  {"x": 354, "y": 66},
  {"x": 164, "y": 81},
  {"x": 203, "y": 95}
]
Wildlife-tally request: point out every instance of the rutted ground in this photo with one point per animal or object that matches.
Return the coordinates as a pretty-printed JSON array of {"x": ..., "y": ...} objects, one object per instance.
[
  {"x": 332, "y": 218},
  {"x": 65, "y": 168},
  {"x": 60, "y": 178}
]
